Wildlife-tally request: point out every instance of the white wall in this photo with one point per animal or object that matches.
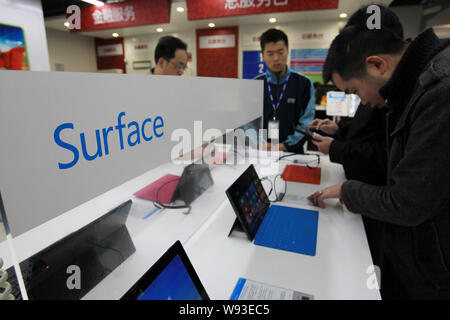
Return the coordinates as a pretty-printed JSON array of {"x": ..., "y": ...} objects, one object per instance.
[
  {"x": 151, "y": 40},
  {"x": 28, "y": 15},
  {"x": 74, "y": 52}
]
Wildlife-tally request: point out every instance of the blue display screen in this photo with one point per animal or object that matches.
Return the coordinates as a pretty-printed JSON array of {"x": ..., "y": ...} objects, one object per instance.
[{"x": 173, "y": 283}]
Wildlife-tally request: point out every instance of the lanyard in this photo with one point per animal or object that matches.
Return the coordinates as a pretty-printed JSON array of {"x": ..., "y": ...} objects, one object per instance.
[{"x": 275, "y": 107}]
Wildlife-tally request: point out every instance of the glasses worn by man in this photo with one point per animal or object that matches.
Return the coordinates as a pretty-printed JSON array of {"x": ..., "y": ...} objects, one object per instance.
[{"x": 179, "y": 66}]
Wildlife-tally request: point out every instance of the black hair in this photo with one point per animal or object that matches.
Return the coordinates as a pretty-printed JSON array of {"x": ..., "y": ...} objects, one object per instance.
[
  {"x": 349, "y": 50},
  {"x": 273, "y": 35},
  {"x": 167, "y": 46}
]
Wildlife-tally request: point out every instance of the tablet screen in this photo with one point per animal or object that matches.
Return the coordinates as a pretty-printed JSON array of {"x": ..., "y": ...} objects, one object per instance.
[
  {"x": 173, "y": 283},
  {"x": 249, "y": 200},
  {"x": 172, "y": 277}
]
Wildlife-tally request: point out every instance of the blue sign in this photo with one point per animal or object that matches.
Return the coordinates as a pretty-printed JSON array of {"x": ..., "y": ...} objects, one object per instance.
[{"x": 253, "y": 64}]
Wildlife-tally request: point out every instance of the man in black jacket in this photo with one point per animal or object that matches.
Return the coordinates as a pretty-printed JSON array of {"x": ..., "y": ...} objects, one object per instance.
[
  {"x": 411, "y": 80},
  {"x": 359, "y": 143}
]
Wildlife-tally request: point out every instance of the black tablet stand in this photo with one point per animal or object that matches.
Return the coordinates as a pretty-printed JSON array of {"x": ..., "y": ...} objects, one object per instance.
[{"x": 236, "y": 227}]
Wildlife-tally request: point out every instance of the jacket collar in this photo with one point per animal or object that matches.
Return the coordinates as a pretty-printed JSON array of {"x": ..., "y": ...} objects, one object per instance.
[
  {"x": 273, "y": 78},
  {"x": 416, "y": 57}
]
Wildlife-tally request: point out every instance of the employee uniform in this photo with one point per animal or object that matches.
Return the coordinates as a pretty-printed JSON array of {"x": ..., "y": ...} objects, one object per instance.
[
  {"x": 415, "y": 205},
  {"x": 291, "y": 101}
]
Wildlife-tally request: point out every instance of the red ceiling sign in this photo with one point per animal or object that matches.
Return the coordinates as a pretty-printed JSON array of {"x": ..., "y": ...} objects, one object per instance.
[
  {"x": 124, "y": 14},
  {"x": 203, "y": 9}
]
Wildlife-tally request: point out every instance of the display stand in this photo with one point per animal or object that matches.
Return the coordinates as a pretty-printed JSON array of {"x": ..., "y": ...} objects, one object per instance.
[{"x": 236, "y": 227}]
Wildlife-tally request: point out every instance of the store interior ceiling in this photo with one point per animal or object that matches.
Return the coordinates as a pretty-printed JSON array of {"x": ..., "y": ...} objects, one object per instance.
[{"x": 54, "y": 13}]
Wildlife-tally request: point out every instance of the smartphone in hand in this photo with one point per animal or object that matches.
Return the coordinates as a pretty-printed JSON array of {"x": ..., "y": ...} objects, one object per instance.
[{"x": 307, "y": 133}]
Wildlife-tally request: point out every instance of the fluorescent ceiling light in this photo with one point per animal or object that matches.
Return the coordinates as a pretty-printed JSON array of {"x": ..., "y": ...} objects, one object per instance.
[
  {"x": 211, "y": 25},
  {"x": 343, "y": 15},
  {"x": 66, "y": 24},
  {"x": 94, "y": 2},
  {"x": 115, "y": 34},
  {"x": 160, "y": 29},
  {"x": 272, "y": 20},
  {"x": 180, "y": 9}
]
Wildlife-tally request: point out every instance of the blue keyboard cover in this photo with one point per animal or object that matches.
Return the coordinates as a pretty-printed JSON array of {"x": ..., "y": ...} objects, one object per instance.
[{"x": 289, "y": 229}]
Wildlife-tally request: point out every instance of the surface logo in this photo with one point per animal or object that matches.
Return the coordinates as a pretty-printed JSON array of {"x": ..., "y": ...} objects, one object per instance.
[{"x": 136, "y": 133}]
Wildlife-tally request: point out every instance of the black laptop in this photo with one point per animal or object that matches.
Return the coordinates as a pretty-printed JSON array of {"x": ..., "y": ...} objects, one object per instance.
[{"x": 94, "y": 251}]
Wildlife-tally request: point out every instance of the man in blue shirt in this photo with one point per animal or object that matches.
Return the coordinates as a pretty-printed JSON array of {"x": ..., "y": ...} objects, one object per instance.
[{"x": 289, "y": 100}]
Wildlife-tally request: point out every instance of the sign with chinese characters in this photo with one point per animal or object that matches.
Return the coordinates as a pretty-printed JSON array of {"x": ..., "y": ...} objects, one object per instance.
[
  {"x": 312, "y": 36},
  {"x": 203, "y": 9},
  {"x": 217, "y": 41},
  {"x": 217, "y": 49},
  {"x": 141, "y": 47},
  {"x": 124, "y": 14},
  {"x": 110, "y": 50},
  {"x": 251, "y": 38}
]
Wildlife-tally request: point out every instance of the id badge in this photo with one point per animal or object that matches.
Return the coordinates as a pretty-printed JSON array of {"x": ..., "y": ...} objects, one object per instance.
[{"x": 273, "y": 130}]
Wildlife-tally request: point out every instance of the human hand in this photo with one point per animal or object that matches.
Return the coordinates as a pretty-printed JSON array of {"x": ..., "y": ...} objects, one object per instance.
[
  {"x": 333, "y": 192},
  {"x": 324, "y": 125},
  {"x": 276, "y": 147},
  {"x": 322, "y": 143}
]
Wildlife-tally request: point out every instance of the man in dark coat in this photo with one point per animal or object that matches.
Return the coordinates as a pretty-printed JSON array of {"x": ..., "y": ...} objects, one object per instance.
[
  {"x": 359, "y": 143},
  {"x": 411, "y": 80}
]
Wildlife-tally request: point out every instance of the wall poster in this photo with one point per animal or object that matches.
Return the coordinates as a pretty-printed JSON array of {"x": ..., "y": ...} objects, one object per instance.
[
  {"x": 13, "y": 51},
  {"x": 309, "y": 62}
]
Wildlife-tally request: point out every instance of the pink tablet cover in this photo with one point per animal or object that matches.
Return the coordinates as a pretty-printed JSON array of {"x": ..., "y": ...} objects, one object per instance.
[
  {"x": 167, "y": 184},
  {"x": 220, "y": 158}
]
